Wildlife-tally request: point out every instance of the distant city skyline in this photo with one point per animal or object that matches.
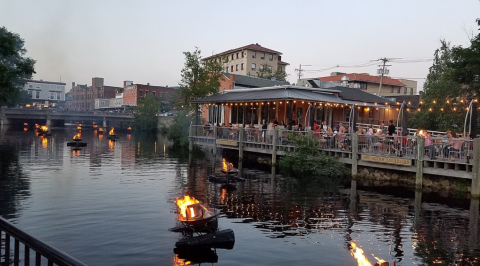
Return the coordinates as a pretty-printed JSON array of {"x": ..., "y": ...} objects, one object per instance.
[{"x": 144, "y": 41}]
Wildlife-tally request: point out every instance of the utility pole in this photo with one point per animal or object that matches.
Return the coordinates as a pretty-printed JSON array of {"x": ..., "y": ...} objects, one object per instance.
[
  {"x": 382, "y": 71},
  {"x": 300, "y": 70}
]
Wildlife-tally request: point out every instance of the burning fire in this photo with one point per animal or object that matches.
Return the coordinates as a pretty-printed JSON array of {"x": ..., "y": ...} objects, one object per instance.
[
  {"x": 100, "y": 129},
  {"x": 184, "y": 203},
  {"x": 25, "y": 124},
  {"x": 226, "y": 166},
  {"x": 357, "y": 253},
  {"x": 111, "y": 132},
  {"x": 44, "y": 128},
  {"x": 79, "y": 127},
  {"x": 78, "y": 136},
  {"x": 129, "y": 128}
]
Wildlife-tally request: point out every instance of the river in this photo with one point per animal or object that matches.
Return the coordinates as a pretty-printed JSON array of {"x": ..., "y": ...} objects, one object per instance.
[{"x": 112, "y": 203}]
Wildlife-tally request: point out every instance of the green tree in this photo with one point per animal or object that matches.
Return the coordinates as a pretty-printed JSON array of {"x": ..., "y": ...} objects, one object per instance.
[
  {"x": 15, "y": 68},
  {"x": 200, "y": 78},
  {"x": 179, "y": 129},
  {"x": 266, "y": 72},
  {"x": 146, "y": 114},
  {"x": 444, "y": 99}
]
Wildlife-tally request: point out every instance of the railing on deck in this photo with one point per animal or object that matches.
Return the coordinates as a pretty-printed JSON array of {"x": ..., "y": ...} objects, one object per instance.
[
  {"x": 438, "y": 150},
  {"x": 43, "y": 251}
]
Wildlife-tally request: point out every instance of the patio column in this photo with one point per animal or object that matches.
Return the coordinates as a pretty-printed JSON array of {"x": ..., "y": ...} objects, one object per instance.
[
  {"x": 196, "y": 114},
  {"x": 311, "y": 118},
  {"x": 240, "y": 151}
]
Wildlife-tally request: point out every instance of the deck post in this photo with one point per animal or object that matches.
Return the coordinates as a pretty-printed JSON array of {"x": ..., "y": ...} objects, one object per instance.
[
  {"x": 420, "y": 154},
  {"x": 214, "y": 151},
  {"x": 274, "y": 148},
  {"x": 354, "y": 137},
  {"x": 476, "y": 169},
  {"x": 240, "y": 151},
  {"x": 104, "y": 122},
  {"x": 190, "y": 139}
]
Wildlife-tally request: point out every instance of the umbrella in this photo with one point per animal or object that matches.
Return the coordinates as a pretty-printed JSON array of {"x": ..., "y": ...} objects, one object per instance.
[{"x": 473, "y": 121}]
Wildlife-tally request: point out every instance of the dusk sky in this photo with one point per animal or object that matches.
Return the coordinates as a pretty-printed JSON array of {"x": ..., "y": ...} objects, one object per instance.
[{"x": 143, "y": 40}]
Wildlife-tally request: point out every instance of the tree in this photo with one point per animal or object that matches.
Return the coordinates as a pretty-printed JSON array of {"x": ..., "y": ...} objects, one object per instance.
[
  {"x": 146, "y": 114},
  {"x": 444, "y": 99},
  {"x": 266, "y": 72},
  {"x": 200, "y": 78},
  {"x": 15, "y": 68}
]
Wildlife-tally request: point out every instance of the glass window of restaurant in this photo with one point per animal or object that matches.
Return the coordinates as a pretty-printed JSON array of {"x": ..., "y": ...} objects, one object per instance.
[
  {"x": 251, "y": 115},
  {"x": 237, "y": 114}
]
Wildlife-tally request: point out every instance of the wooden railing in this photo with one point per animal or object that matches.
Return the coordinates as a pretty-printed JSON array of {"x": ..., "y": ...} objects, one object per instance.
[{"x": 10, "y": 249}]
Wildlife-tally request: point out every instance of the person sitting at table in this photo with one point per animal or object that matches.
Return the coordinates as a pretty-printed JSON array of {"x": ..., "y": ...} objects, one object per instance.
[
  {"x": 453, "y": 145},
  {"x": 429, "y": 146},
  {"x": 379, "y": 140},
  {"x": 329, "y": 137}
]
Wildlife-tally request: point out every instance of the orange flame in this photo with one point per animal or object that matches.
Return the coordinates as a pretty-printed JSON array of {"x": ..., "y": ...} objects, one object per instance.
[
  {"x": 100, "y": 129},
  {"x": 79, "y": 127},
  {"x": 25, "y": 124},
  {"x": 129, "y": 128},
  {"x": 111, "y": 132},
  {"x": 44, "y": 128},
  {"x": 78, "y": 136},
  {"x": 226, "y": 166},
  {"x": 184, "y": 203},
  {"x": 357, "y": 253}
]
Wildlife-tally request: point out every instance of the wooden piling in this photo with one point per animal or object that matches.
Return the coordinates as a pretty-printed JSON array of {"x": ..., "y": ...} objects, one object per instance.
[
  {"x": 240, "y": 151},
  {"x": 420, "y": 155},
  {"x": 274, "y": 148},
  {"x": 476, "y": 169},
  {"x": 190, "y": 139},
  {"x": 354, "y": 144}
]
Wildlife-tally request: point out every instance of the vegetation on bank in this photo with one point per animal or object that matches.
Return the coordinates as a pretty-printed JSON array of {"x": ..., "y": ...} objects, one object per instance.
[
  {"x": 308, "y": 163},
  {"x": 145, "y": 114},
  {"x": 15, "y": 68}
]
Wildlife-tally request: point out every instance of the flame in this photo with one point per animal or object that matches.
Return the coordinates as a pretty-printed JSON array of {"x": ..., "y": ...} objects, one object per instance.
[
  {"x": 420, "y": 133},
  {"x": 100, "y": 136},
  {"x": 184, "y": 203},
  {"x": 180, "y": 262},
  {"x": 224, "y": 195},
  {"x": 357, "y": 253},
  {"x": 111, "y": 132},
  {"x": 100, "y": 129},
  {"x": 78, "y": 136},
  {"x": 25, "y": 129},
  {"x": 79, "y": 127},
  {"x": 95, "y": 126},
  {"x": 129, "y": 128},
  {"x": 226, "y": 166},
  {"x": 25, "y": 124},
  {"x": 44, "y": 128}
]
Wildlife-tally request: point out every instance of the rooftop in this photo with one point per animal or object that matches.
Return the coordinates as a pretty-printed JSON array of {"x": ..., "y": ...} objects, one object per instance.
[
  {"x": 253, "y": 47},
  {"x": 254, "y": 82},
  {"x": 364, "y": 78}
]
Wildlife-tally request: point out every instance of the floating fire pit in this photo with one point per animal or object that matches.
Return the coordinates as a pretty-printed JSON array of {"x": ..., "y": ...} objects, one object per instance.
[
  {"x": 359, "y": 255},
  {"x": 202, "y": 220},
  {"x": 112, "y": 135},
  {"x": 77, "y": 141},
  {"x": 227, "y": 168}
]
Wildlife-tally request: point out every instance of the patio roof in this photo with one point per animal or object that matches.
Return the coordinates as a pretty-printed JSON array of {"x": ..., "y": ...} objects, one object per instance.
[
  {"x": 273, "y": 94},
  {"x": 288, "y": 92}
]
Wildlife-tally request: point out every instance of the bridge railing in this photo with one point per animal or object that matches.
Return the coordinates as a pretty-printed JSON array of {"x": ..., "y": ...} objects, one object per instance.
[{"x": 10, "y": 239}]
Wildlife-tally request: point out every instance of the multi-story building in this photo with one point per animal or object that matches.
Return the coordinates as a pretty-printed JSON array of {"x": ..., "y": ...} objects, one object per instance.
[
  {"x": 45, "y": 92},
  {"x": 370, "y": 84},
  {"x": 132, "y": 93},
  {"x": 83, "y": 97},
  {"x": 249, "y": 59}
]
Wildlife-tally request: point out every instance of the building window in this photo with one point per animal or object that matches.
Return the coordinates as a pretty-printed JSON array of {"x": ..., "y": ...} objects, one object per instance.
[
  {"x": 254, "y": 54},
  {"x": 37, "y": 94},
  {"x": 405, "y": 90},
  {"x": 52, "y": 96},
  {"x": 254, "y": 66},
  {"x": 237, "y": 55},
  {"x": 260, "y": 67},
  {"x": 154, "y": 93},
  {"x": 270, "y": 57},
  {"x": 146, "y": 93},
  {"x": 242, "y": 66},
  {"x": 262, "y": 55},
  {"x": 270, "y": 69},
  {"x": 232, "y": 56},
  {"x": 236, "y": 67},
  {"x": 231, "y": 68},
  {"x": 141, "y": 93},
  {"x": 58, "y": 96},
  {"x": 392, "y": 89},
  {"x": 30, "y": 86},
  {"x": 280, "y": 68},
  {"x": 226, "y": 69},
  {"x": 243, "y": 54},
  {"x": 411, "y": 91},
  {"x": 398, "y": 90},
  {"x": 30, "y": 93}
]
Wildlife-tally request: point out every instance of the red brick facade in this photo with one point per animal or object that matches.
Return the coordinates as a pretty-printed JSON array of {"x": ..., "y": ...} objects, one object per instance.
[{"x": 133, "y": 93}]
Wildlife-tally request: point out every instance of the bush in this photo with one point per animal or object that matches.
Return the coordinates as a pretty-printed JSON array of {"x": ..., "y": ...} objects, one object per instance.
[
  {"x": 308, "y": 163},
  {"x": 179, "y": 129}
]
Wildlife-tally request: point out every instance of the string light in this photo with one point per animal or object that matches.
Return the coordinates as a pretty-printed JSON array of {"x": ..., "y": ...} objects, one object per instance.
[
  {"x": 441, "y": 109},
  {"x": 430, "y": 109},
  {"x": 448, "y": 101},
  {"x": 419, "y": 109},
  {"x": 434, "y": 101}
]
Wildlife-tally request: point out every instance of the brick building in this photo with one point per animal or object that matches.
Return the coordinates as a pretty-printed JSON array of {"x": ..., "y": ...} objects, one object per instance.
[
  {"x": 132, "y": 93},
  {"x": 83, "y": 97}
]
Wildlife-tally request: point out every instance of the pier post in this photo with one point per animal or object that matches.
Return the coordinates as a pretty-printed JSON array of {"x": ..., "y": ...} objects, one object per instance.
[
  {"x": 190, "y": 139},
  {"x": 476, "y": 169},
  {"x": 274, "y": 149},
  {"x": 215, "y": 129},
  {"x": 420, "y": 155},
  {"x": 104, "y": 122},
  {"x": 472, "y": 223},
  {"x": 2, "y": 117},
  {"x": 354, "y": 137},
  {"x": 240, "y": 151}
]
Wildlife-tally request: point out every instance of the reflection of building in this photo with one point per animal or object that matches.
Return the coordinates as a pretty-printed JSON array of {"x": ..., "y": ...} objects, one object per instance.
[
  {"x": 249, "y": 59},
  {"x": 45, "y": 92}
]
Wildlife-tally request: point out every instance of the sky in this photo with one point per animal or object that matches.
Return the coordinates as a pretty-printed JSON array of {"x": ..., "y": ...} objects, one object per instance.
[{"x": 144, "y": 40}]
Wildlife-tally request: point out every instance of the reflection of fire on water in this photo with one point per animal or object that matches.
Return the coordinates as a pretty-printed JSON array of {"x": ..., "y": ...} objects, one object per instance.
[
  {"x": 184, "y": 203},
  {"x": 77, "y": 136},
  {"x": 226, "y": 166},
  {"x": 357, "y": 253},
  {"x": 180, "y": 262},
  {"x": 44, "y": 142},
  {"x": 111, "y": 132}
]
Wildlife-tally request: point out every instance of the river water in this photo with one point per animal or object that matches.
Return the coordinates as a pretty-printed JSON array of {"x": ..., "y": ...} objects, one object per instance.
[{"x": 112, "y": 203}]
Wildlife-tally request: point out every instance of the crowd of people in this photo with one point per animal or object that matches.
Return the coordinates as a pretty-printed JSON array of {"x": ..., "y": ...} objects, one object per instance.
[{"x": 382, "y": 139}]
